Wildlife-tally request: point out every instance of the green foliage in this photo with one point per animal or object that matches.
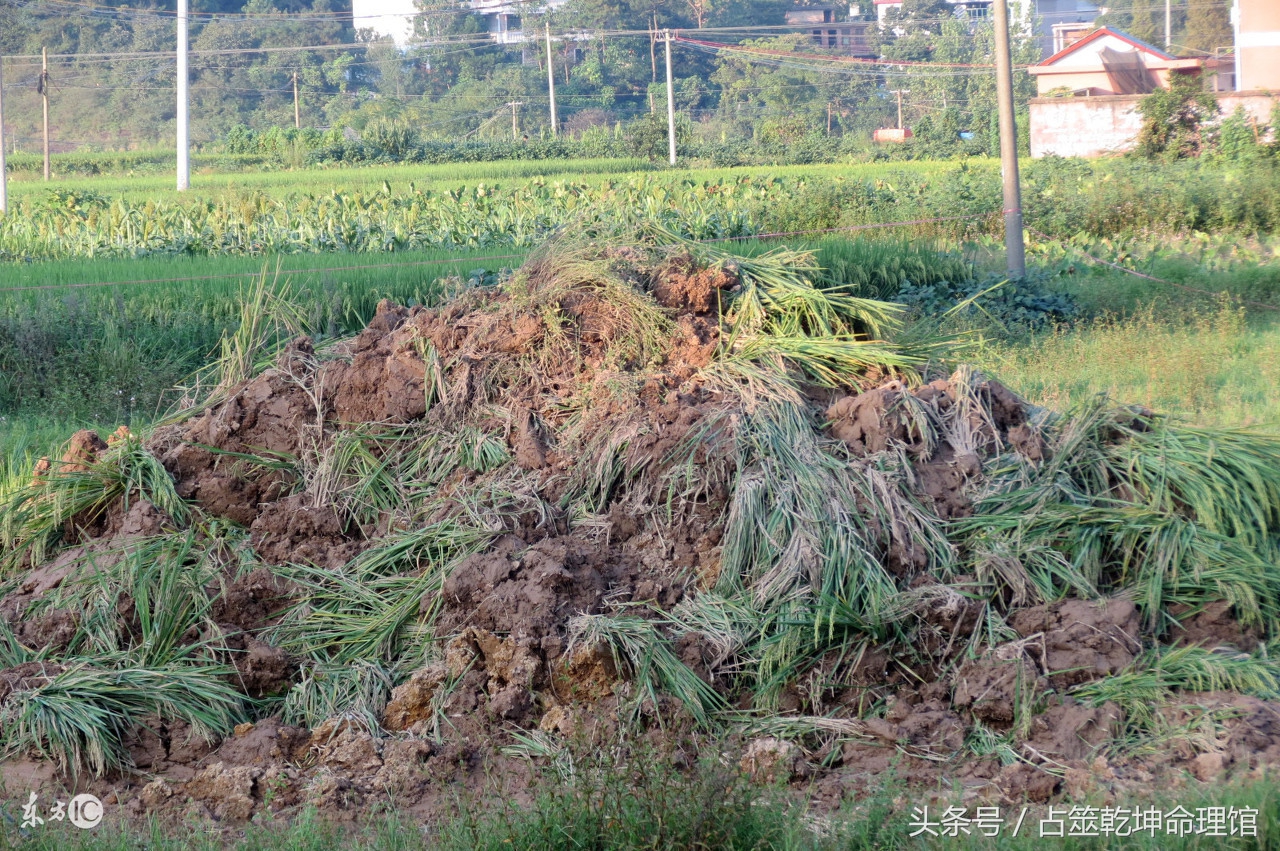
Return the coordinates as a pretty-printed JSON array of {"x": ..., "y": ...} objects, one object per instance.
[
  {"x": 881, "y": 268},
  {"x": 624, "y": 799},
  {"x": 1173, "y": 119},
  {"x": 1239, "y": 140},
  {"x": 1011, "y": 306}
]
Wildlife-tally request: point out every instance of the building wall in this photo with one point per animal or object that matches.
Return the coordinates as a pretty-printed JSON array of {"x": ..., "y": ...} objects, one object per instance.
[
  {"x": 1258, "y": 43},
  {"x": 1093, "y": 127},
  {"x": 1079, "y": 80}
]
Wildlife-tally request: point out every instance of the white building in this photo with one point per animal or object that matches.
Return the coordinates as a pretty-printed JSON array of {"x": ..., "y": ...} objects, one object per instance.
[
  {"x": 393, "y": 18},
  {"x": 1055, "y": 22}
]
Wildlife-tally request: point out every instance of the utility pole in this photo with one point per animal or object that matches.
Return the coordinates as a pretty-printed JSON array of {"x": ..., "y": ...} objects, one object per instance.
[
  {"x": 43, "y": 88},
  {"x": 653, "y": 47},
  {"x": 515, "y": 121},
  {"x": 184, "y": 163},
  {"x": 900, "y": 93},
  {"x": 4, "y": 174},
  {"x": 551, "y": 84},
  {"x": 297, "y": 112},
  {"x": 671, "y": 105},
  {"x": 1235, "y": 36},
  {"x": 1014, "y": 250},
  {"x": 1168, "y": 26}
]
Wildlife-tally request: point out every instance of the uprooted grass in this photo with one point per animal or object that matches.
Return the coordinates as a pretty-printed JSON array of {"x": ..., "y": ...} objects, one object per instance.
[
  {"x": 35, "y": 518},
  {"x": 77, "y": 716},
  {"x": 1123, "y": 503},
  {"x": 1130, "y": 503},
  {"x": 75, "y": 704}
]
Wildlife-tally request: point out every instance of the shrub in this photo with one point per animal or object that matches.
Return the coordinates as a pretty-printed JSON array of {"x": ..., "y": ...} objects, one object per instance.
[{"x": 1173, "y": 119}]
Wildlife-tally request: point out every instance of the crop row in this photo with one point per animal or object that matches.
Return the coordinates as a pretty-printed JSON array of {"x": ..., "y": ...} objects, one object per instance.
[
  {"x": 86, "y": 225},
  {"x": 328, "y": 212}
]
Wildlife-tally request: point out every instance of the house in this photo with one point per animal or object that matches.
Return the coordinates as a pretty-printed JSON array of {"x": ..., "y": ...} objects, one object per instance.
[
  {"x": 503, "y": 18},
  {"x": 1090, "y": 90},
  {"x": 395, "y": 18},
  {"x": 1111, "y": 62},
  {"x": 1063, "y": 22},
  {"x": 972, "y": 8},
  {"x": 387, "y": 18},
  {"x": 1257, "y": 35},
  {"x": 824, "y": 27},
  {"x": 1054, "y": 21}
]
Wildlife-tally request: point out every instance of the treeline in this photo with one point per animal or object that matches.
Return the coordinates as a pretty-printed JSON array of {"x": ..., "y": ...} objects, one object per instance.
[
  {"x": 459, "y": 94},
  {"x": 458, "y": 87}
]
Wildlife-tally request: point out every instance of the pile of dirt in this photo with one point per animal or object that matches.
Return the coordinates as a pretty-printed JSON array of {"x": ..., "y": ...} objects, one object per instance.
[{"x": 579, "y": 426}]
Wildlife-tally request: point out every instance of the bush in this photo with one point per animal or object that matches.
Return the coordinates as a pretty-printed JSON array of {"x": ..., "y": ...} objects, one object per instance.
[
  {"x": 1173, "y": 118},
  {"x": 1015, "y": 306}
]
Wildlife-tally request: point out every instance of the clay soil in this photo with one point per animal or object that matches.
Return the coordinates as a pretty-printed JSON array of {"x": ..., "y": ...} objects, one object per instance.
[{"x": 555, "y": 387}]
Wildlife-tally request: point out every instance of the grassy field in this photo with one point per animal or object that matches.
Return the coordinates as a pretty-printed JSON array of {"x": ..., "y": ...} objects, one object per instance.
[
  {"x": 1205, "y": 346},
  {"x": 210, "y": 183},
  {"x": 1211, "y": 365}
]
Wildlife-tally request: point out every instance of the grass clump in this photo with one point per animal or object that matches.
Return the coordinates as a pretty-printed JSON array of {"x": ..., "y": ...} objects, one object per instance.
[
  {"x": 77, "y": 715},
  {"x": 36, "y": 518},
  {"x": 627, "y": 798}
]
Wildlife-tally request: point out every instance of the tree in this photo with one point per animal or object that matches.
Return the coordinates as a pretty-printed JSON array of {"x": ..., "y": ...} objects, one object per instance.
[
  {"x": 1142, "y": 19},
  {"x": 1173, "y": 119},
  {"x": 1208, "y": 26},
  {"x": 909, "y": 31},
  {"x": 700, "y": 10}
]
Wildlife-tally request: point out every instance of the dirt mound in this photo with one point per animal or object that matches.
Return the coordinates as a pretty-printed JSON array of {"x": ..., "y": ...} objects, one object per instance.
[{"x": 632, "y": 489}]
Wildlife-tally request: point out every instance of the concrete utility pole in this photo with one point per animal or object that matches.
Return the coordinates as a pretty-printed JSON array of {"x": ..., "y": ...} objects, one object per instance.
[
  {"x": 900, "y": 93},
  {"x": 515, "y": 120},
  {"x": 1168, "y": 27},
  {"x": 4, "y": 174},
  {"x": 1235, "y": 39},
  {"x": 297, "y": 113},
  {"x": 551, "y": 84},
  {"x": 671, "y": 105},
  {"x": 1014, "y": 249},
  {"x": 43, "y": 87},
  {"x": 184, "y": 163}
]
